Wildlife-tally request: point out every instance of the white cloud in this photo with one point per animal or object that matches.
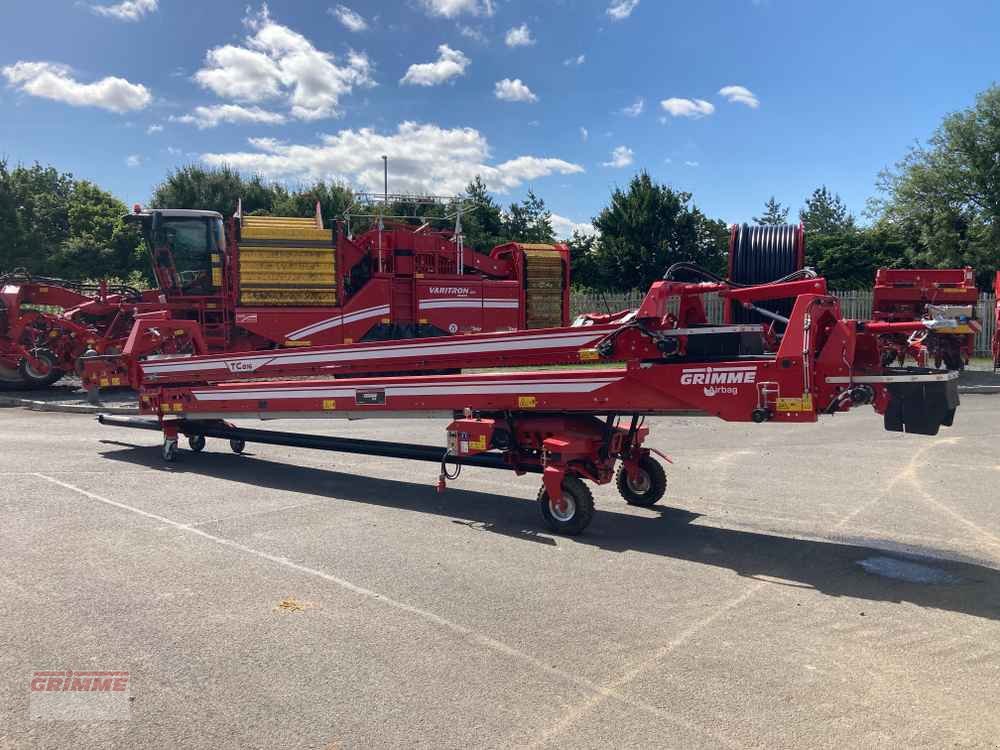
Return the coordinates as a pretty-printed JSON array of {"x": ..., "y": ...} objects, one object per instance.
[
  {"x": 450, "y": 63},
  {"x": 173, "y": 151},
  {"x": 690, "y": 164},
  {"x": 278, "y": 63},
  {"x": 455, "y": 8},
  {"x": 584, "y": 134},
  {"x": 349, "y": 19},
  {"x": 635, "y": 108},
  {"x": 619, "y": 10},
  {"x": 741, "y": 95},
  {"x": 578, "y": 60},
  {"x": 519, "y": 36},
  {"x": 133, "y": 160},
  {"x": 154, "y": 129},
  {"x": 620, "y": 157},
  {"x": 694, "y": 108},
  {"x": 471, "y": 33},
  {"x": 210, "y": 117},
  {"x": 564, "y": 228},
  {"x": 53, "y": 81},
  {"x": 513, "y": 91},
  {"x": 423, "y": 158},
  {"x": 129, "y": 10}
]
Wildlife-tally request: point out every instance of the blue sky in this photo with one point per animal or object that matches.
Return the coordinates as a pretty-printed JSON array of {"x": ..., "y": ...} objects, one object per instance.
[{"x": 740, "y": 99}]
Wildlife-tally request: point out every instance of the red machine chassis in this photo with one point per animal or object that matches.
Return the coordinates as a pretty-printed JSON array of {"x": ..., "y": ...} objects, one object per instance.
[
  {"x": 904, "y": 295},
  {"x": 572, "y": 423}
]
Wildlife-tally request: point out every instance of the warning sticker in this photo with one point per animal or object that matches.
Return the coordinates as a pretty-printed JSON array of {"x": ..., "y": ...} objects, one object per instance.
[{"x": 795, "y": 404}]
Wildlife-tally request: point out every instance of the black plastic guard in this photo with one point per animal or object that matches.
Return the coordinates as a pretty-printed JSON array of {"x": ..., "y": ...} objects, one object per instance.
[{"x": 922, "y": 407}]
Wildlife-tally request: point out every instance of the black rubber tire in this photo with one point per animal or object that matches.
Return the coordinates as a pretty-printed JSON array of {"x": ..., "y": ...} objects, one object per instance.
[
  {"x": 196, "y": 443},
  {"x": 169, "y": 451},
  {"x": 583, "y": 507},
  {"x": 34, "y": 379},
  {"x": 954, "y": 361},
  {"x": 237, "y": 446},
  {"x": 656, "y": 483}
]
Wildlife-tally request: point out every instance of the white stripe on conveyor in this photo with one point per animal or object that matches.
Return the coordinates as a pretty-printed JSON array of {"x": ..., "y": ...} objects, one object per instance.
[
  {"x": 430, "y": 389},
  {"x": 448, "y": 346}
]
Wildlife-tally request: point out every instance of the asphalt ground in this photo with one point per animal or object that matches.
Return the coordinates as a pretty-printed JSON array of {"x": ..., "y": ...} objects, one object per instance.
[{"x": 817, "y": 586}]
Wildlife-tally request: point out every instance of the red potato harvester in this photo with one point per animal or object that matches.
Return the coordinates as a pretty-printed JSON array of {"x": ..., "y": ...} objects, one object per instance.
[
  {"x": 569, "y": 425},
  {"x": 261, "y": 282}
]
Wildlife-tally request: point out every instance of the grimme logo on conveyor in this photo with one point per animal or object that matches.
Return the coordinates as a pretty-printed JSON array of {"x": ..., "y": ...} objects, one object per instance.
[{"x": 718, "y": 376}]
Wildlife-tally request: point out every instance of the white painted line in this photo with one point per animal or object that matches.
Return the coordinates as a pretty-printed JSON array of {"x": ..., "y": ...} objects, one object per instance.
[{"x": 473, "y": 636}]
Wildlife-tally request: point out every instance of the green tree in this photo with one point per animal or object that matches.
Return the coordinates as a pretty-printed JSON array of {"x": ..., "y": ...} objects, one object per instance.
[
  {"x": 944, "y": 197},
  {"x": 333, "y": 197},
  {"x": 644, "y": 230},
  {"x": 848, "y": 260},
  {"x": 54, "y": 225},
  {"x": 482, "y": 225},
  {"x": 99, "y": 243},
  {"x": 219, "y": 189},
  {"x": 582, "y": 261},
  {"x": 528, "y": 221},
  {"x": 825, "y": 213},
  {"x": 774, "y": 214}
]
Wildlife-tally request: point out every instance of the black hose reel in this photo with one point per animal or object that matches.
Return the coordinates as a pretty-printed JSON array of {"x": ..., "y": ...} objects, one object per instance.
[{"x": 761, "y": 254}]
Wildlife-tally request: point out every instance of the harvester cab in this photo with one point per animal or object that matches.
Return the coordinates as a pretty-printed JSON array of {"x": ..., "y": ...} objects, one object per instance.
[{"x": 186, "y": 248}]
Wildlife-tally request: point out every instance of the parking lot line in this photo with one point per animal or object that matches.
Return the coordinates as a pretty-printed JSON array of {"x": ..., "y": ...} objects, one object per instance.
[
  {"x": 908, "y": 472},
  {"x": 601, "y": 693}
]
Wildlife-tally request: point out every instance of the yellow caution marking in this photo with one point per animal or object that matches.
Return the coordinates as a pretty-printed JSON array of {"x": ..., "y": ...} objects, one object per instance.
[{"x": 795, "y": 404}]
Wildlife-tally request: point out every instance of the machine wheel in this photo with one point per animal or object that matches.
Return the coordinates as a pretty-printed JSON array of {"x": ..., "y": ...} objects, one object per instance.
[
  {"x": 40, "y": 377},
  {"x": 579, "y": 508},
  {"x": 10, "y": 378},
  {"x": 169, "y": 450},
  {"x": 648, "y": 488},
  {"x": 196, "y": 443},
  {"x": 953, "y": 361},
  {"x": 237, "y": 446}
]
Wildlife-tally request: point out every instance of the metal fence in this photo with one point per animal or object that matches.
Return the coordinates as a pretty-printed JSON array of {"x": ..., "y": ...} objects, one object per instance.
[{"x": 855, "y": 304}]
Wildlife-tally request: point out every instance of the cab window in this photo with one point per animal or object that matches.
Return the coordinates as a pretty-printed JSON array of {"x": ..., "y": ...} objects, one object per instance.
[{"x": 191, "y": 243}]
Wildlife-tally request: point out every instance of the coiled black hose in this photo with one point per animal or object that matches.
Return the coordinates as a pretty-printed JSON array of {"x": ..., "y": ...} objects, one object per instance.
[{"x": 760, "y": 255}]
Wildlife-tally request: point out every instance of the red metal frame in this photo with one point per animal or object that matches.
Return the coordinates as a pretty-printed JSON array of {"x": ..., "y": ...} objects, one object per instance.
[
  {"x": 996, "y": 322},
  {"x": 903, "y": 295},
  {"x": 420, "y": 292},
  {"x": 565, "y": 423}
]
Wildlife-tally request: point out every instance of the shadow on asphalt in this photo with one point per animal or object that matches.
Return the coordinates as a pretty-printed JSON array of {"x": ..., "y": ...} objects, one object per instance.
[{"x": 829, "y": 567}]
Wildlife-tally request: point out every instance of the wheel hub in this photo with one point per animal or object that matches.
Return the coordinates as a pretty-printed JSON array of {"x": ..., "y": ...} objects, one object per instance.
[
  {"x": 640, "y": 483},
  {"x": 38, "y": 372},
  {"x": 563, "y": 511}
]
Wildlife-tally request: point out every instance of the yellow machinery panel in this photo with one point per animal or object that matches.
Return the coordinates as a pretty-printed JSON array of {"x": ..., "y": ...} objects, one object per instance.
[
  {"x": 289, "y": 297},
  {"x": 286, "y": 262},
  {"x": 543, "y": 286}
]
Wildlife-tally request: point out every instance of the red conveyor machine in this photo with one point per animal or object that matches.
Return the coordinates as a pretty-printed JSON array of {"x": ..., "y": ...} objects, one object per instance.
[{"x": 569, "y": 423}]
